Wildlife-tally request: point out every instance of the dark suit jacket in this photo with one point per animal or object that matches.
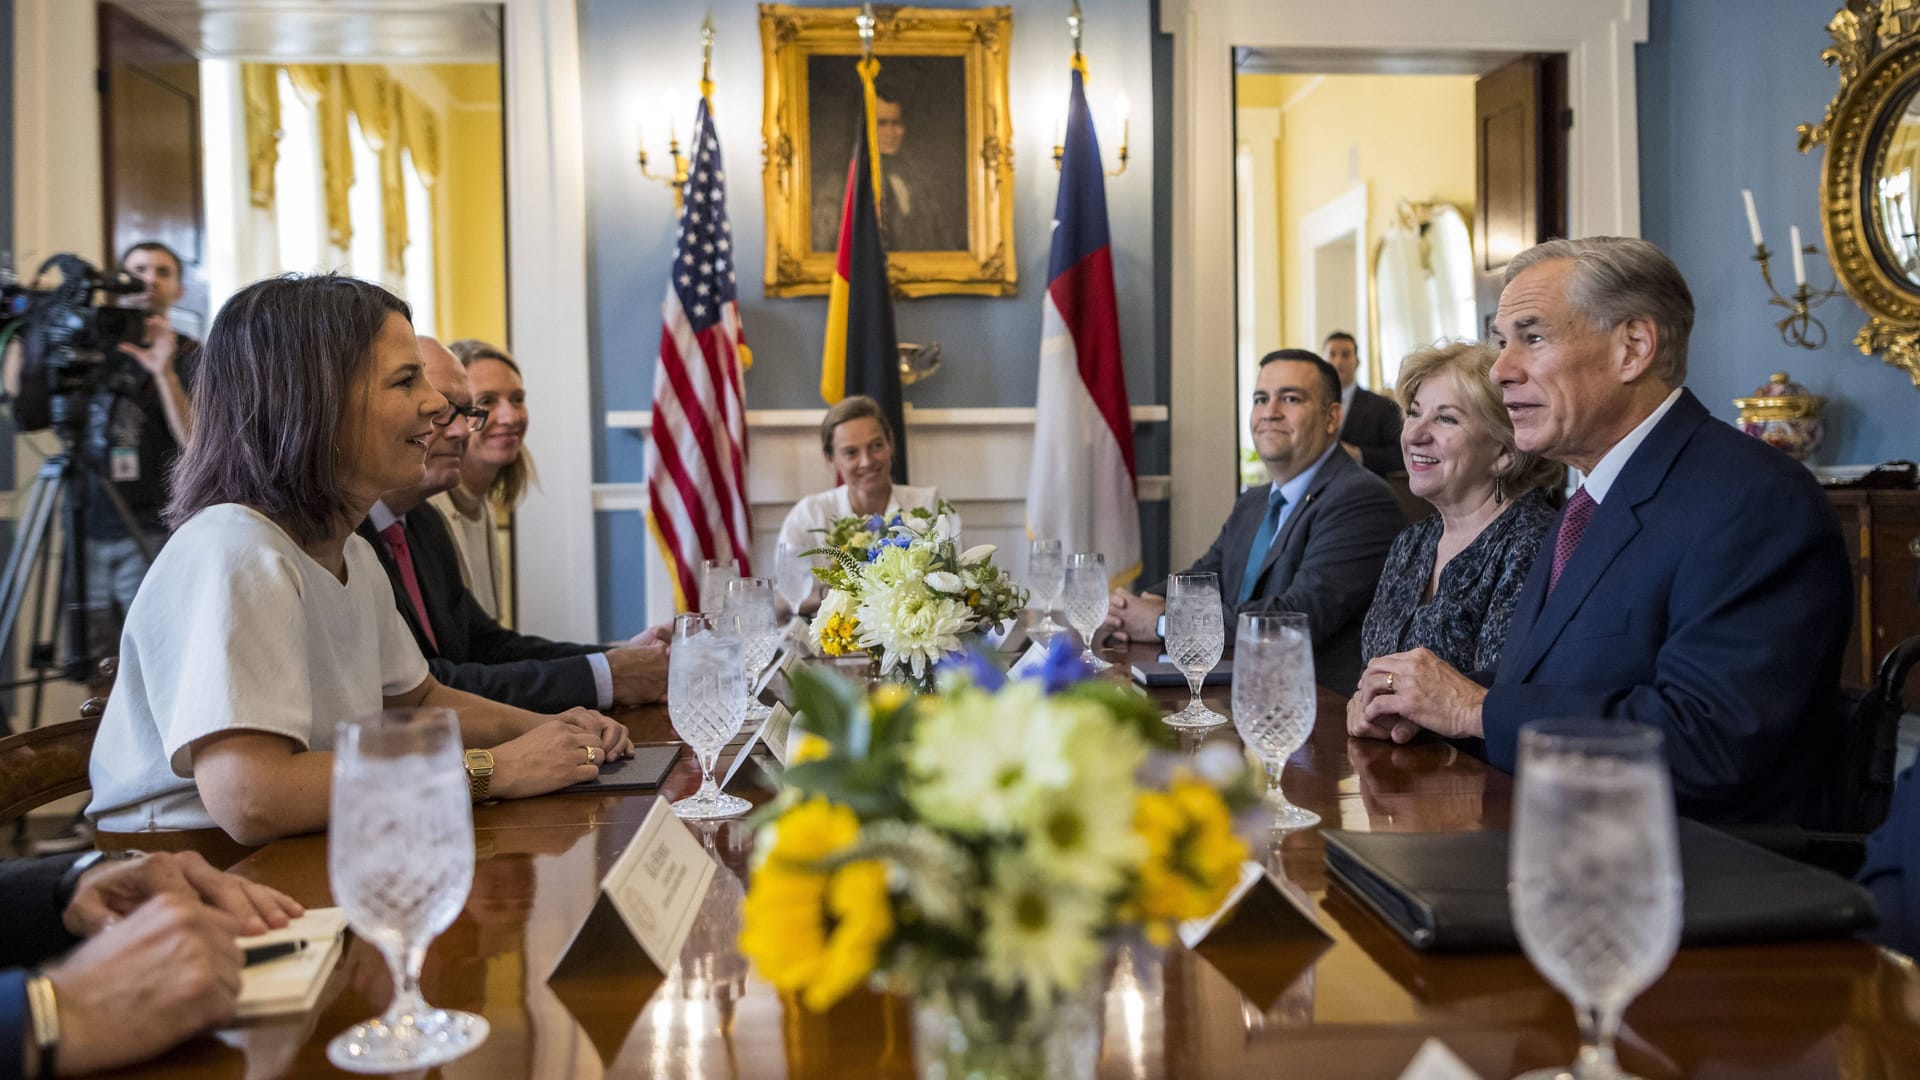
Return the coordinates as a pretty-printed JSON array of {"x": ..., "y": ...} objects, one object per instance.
[
  {"x": 1892, "y": 868},
  {"x": 1324, "y": 563},
  {"x": 1373, "y": 425},
  {"x": 31, "y": 906},
  {"x": 475, "y": 653},
  {"x": 1709, "y": 598}
]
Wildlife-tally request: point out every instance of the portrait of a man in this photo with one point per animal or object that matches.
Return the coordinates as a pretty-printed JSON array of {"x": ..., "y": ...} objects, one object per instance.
[{"x": 922, "y": 138}]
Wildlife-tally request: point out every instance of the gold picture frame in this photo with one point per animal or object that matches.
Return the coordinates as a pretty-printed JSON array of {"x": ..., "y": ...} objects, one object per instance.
[{"x": 933, "y": 51}]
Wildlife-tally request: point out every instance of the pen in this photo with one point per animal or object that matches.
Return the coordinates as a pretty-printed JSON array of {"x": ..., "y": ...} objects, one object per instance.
[{"x": 260, "y": 954}]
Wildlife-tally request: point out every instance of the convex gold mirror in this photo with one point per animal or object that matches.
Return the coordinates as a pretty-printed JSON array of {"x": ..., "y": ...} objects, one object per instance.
[{"x": 1871, "y": 178}]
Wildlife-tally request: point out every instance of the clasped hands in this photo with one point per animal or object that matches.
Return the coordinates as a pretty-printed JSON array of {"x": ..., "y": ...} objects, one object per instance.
[
  {"x": 1403, "y": 694},
  {"x": 1131, "y": 617}
]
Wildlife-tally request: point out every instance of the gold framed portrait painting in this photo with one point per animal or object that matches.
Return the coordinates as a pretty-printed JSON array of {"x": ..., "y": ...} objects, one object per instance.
[{"x": 945, "y": 139}]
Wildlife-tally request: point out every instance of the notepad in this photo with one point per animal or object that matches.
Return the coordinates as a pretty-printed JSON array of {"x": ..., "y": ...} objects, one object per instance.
[{"x": 292, "y": 984}]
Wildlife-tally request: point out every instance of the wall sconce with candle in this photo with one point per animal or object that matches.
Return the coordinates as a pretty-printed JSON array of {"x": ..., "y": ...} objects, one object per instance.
[
  {"x": 1799, "y": 327},
  {"x": 1120, "y": 105},
  {"x": 670, "y": 106}
]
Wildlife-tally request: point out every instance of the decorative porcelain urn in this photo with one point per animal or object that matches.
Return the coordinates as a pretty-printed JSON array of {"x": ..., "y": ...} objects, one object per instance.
[{"x": 1785, "y": 415}]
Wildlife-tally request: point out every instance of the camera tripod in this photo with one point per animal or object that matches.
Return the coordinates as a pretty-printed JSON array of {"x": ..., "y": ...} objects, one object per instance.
[{"x": 64, "y": 482}]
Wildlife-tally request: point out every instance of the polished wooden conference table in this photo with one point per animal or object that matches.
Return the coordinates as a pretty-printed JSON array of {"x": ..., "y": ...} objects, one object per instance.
[{"x": 1363, "y": 1008}]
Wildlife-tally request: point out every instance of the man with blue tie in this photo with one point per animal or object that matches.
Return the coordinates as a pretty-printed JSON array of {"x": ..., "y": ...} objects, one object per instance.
[
  {"x": 1696, "y": 583},
  {"x": 1312, "y": 541}
]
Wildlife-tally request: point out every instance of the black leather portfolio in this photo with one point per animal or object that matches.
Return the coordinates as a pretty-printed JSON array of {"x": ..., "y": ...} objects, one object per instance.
[
  {"x": 1447, "y": 892},
  {"x": 1161, "y": 672},
  {"x": 649, "y": 765}
]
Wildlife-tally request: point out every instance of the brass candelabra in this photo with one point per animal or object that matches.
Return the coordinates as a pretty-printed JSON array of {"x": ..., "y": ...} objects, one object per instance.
[{"x": 1799, "y": 326}]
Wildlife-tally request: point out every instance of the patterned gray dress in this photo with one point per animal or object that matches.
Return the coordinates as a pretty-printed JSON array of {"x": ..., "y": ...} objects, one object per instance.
[{"x": 1466, "y": 622}]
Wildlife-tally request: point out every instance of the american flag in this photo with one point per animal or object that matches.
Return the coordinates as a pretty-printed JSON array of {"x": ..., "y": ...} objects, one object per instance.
[{"x": 696, "y": 467}]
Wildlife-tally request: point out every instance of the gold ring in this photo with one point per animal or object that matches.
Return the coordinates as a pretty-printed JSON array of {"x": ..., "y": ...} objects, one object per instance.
[
  {"x": 1389, "y": 682},
  {"x": 593, "y": 755}
]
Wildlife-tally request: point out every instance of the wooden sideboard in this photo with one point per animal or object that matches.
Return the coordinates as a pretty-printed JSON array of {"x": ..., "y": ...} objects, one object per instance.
[{"x": 1882, "y": 529}]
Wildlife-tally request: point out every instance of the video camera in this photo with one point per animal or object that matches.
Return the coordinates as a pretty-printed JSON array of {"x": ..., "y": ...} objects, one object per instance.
[{"x": 70, "y": 333}]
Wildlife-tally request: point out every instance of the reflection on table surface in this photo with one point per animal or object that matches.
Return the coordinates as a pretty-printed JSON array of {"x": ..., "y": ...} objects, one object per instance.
[{"x": 1361, "y": 1009}]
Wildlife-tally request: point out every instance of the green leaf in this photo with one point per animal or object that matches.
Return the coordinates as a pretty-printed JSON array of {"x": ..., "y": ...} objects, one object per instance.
[{"x": 829, "y": 703}]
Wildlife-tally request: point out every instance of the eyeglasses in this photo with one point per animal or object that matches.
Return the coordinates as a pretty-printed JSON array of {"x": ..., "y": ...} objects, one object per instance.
[{"x": 476, "y": 417}]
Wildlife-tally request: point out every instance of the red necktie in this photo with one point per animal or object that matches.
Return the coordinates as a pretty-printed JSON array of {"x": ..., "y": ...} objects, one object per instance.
[
  {"x": 1573, "y": 525},
  {"x": 396, "y": 537}
]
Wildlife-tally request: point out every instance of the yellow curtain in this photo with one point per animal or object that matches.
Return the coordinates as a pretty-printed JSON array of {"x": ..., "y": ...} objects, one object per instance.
[
  {"x": 321, "y": 86},
  {"x": 260, "y": 91},
  {"x": 421, "y": 133}
]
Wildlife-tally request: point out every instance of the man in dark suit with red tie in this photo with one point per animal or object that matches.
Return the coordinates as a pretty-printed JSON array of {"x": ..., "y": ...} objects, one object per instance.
[
  {"x": 1696, "y": 583},
  {"x": 465, "y": 648}
]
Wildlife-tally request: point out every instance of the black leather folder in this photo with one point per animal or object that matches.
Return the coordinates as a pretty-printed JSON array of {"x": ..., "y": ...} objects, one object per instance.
[
  {"x": 1447, "y": 892},
  {"x": 1161, "y": 672},
  {"x": 644, "y": 771}
]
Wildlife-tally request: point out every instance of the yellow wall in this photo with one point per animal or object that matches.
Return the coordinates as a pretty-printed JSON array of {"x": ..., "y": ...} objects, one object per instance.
[
  {"x": 1415, "y": 139},
  {"x": 472, "y": 207}
]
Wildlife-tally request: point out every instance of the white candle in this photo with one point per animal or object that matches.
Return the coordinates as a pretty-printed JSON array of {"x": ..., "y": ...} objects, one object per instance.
[
  {"x": 1799, "y": 258},
  {"x": 1753, "y": 218}
]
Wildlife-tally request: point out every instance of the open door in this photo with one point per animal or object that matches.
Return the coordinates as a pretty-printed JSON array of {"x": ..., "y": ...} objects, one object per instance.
[
  {"x": 1520, "y": 173},
  {"x": 151, "y": 152}
]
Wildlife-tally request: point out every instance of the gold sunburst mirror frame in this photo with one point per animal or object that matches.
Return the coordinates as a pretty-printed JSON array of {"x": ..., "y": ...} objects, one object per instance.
[
  {"x": 1870, "y": 181},
  {"x": 977, "y": 122}
]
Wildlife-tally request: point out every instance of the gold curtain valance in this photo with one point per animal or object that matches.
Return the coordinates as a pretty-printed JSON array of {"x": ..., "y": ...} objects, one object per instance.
[
  {"x": 322, "y": 86},
  {"x": 420, "y": 130},
  {"x": 260, "y": 94}
]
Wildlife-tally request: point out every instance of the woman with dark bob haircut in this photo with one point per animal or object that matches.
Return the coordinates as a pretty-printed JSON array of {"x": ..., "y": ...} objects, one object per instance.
[{"x": 266, "y": 621}]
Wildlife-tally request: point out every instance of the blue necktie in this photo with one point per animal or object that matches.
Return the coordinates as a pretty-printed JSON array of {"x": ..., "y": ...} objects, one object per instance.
[{"x": 1262, "y": 540}]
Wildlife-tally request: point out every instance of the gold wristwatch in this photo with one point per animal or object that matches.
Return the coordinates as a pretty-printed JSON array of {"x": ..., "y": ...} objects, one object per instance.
[{"x": 479, "y": 773}]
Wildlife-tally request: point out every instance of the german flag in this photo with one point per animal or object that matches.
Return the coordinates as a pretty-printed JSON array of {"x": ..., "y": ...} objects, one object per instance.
[{"x": 862, "y": 354}]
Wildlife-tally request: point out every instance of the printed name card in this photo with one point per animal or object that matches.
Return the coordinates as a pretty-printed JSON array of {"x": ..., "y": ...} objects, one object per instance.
[
  {"x": 1259, "y": 909},
  {"x": 646, "y": 905},
  {"x": 1436, "y": 1062}
]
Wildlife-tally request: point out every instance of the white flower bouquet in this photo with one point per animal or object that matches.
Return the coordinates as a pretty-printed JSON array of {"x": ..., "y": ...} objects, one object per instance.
[{"x": 901, "y": 591}]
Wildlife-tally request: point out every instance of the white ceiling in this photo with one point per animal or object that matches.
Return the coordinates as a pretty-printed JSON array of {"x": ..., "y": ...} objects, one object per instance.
[{"x": 317, "y": 31}]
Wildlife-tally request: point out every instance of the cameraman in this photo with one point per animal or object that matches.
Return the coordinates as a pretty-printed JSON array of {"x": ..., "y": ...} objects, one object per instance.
[{"x": 145, "y": 428}]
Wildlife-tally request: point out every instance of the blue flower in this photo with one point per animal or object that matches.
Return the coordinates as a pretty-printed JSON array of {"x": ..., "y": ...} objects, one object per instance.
[
  {"x": 876, "y": 524},
  {"x": 1062, "y": 666},
  {"x": 973, "y": 667}
]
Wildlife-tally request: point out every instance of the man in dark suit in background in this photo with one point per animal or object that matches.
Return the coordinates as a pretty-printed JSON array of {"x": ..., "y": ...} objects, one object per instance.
[
  {"x": 1369, "y": 423},
  {"x": 465, "y": 648},
  {"x": 1313, "y": 540},
  {"x": 1696, "y": 583}
]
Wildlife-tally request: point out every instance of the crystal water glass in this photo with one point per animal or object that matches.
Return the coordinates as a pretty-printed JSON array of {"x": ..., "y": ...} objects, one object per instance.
[
  {"x": 1046, "y": 569},
  {"x": 714, "y": 575},
  {"x": 707, "y": 702},
  {"x": 1196, "y": 636},
  {"x": 1594, "y": 873},
  {"x": 750, "y": 615},
  {"x": 1274, "y": 701},
  {"x": 400, "y": 859},
  {"x": 1087, "y": 600},
  {"x": 793, "y": 574}
]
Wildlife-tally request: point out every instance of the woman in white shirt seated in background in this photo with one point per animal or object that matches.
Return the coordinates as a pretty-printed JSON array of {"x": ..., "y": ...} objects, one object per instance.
[
  {"x": 858, "y": 444},
  {"x": 270, "y": 621},
  {"x": 497, "y": 469}
]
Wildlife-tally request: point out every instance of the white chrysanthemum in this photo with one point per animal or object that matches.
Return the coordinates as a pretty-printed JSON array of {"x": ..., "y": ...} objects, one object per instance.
[
  {"x": 911, "y": 624},
  {"x": 1041, "y": 935},
  {"x": 946, "y": 582}
]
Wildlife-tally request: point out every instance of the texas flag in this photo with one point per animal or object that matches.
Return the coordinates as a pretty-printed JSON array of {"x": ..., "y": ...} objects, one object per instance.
[{"x": 1082, "y": 487}]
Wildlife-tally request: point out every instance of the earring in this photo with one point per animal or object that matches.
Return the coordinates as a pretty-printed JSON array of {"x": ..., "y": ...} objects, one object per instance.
[{"x": 1499, "y": 492}]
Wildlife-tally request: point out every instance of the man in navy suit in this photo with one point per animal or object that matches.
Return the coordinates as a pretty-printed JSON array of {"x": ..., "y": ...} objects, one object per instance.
[
  {"x": 1696, "y": 583},
  {"x": 1369, "y": 423},
  {"x": 1312, "y": 541},
  {"x": 1892, "y": 868}
]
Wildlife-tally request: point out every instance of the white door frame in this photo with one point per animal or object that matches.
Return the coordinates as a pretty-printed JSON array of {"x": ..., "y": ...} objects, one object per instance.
[
  {"x": 555, "y": 569},
  {"x": 1603, "y": 159},
  {"x": 1345, "y": 216}
]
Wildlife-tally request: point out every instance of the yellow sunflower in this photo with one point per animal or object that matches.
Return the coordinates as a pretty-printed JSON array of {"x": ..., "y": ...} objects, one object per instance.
[{"x": 815, "y": 933}]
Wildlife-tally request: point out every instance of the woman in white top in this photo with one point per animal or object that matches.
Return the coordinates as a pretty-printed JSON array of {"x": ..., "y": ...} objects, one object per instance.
[
  {"x": 497, "y": 469},
  {"x": 858, "y": 443},
  {"x": 269, "y": 621}
]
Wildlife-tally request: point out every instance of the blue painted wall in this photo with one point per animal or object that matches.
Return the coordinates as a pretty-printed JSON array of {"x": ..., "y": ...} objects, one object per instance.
[
  {"x": 631, "y": 53},
  {"x": 1721, "y": 85}
]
